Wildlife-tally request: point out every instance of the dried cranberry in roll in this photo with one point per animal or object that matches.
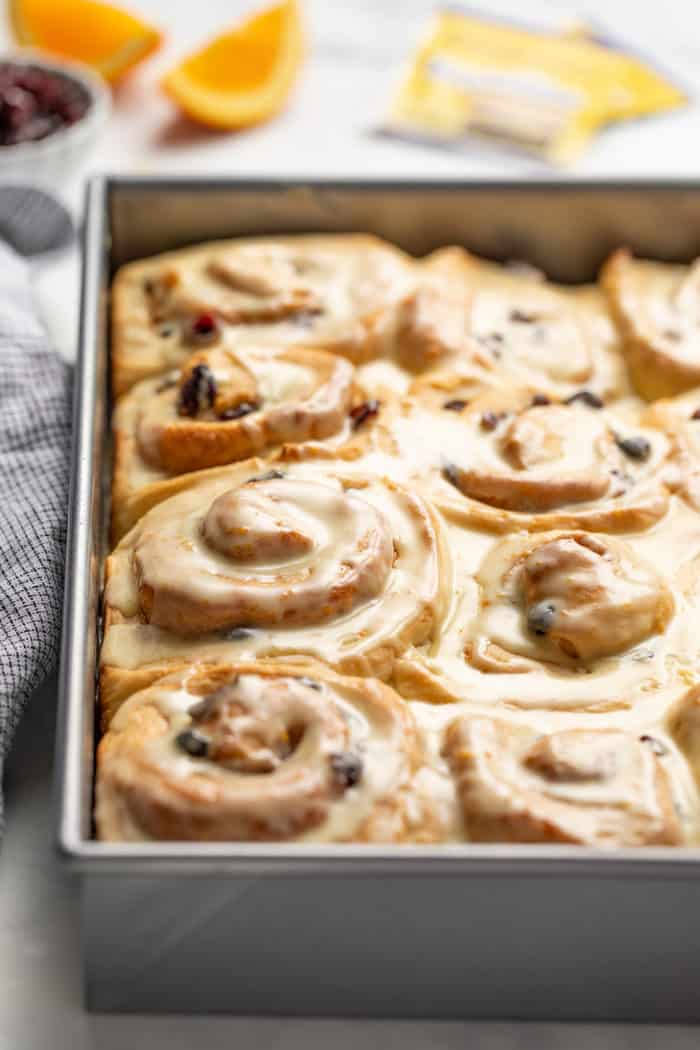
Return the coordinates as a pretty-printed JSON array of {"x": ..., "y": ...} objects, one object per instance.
[
  {"x": 571, "y": 599},
  {"x": 223, "y": 406},
  {"x": 259, "y": 752},
  {"x": 506, "y": 459},
  {"x": 323, "y": 291}
]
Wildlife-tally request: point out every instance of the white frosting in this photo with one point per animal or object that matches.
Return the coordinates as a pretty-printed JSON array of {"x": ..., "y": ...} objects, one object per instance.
[{"x": 349, "y": 510}]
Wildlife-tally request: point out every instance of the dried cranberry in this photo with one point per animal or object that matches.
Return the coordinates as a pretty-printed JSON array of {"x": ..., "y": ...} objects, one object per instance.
[
  {"x": 204, "y": 329},
  {"x": 192, "y": 743},
  {"x": 541, "y": 617},
  {"x": 204, "y": 324},
  {"x": 540, "y": 399},
  {"x": 346, "y": 769},
  {"x": 269, "y": 475},
  {"x": 696, "y": 414},
  {"x": 240, "y": 410},
  {"x": 637, "y": 447},
  {"x": 456, "y": 405},
  {"x": 361, "y": 413},
  {"x": 35, "y": 102},
  {"x": 490, "y": 420},
  {"x": 521, "y": 317},
  {"x": 451, "y": 473},
  {"x": 198, "y": 392},
  {"x": 586, "y": 397}
]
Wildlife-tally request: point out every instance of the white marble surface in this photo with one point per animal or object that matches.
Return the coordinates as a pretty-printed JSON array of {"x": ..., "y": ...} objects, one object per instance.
[{"x": 356, "y": 48}]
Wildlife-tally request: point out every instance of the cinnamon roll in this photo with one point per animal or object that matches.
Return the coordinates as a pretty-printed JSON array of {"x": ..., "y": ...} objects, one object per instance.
[
  {"x": 430, "y": 473},
  {"x": 263, "y": 752},
  {"x": 566, "y": 621},
  {"x": 590, "y": 787},
  {"x": 310, "y": 557},
  {"x": 559, "y": 339},
  {"x": 321, "y": 291},
  {"x": 567, "y": 598},
  {"x": 507, "y": 459},
  {"x": 430, "y": 326},
  {"x": 657, "y": 309},
  {"x": 223, "y": 406}
]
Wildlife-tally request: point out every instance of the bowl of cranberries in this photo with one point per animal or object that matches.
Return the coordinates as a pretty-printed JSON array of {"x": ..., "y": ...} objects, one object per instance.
[{"x": 51, "y": 113}]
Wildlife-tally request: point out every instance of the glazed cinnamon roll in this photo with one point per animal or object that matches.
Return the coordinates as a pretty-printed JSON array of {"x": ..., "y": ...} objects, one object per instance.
[
  {"x": 590, "y": 787},
  {"x": 566, "y": 621},
  {"x": 507, "y": 459},
  {"x": 566, "y": 598},
  {"x": 223, "y": 406},
  {"x": 561, "y": 340},
  {"x": 309, "y": 557},
  {"x": 263, "y": 752},
  {"x": 657, "y": 309},
  {"x": 321, "y": 291}
]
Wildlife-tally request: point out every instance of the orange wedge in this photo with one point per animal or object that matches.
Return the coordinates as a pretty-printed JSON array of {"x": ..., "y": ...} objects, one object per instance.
[
  {"x": 244, "y": 76},
  {"x": 110, "y": 40}
]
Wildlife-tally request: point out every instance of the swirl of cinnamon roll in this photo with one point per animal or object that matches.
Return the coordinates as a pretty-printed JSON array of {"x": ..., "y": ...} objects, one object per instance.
[
  {"x": 321, "y": 291},
  {"x": 283, "y": 550},
  {"x": 307, "y": 557},
  {"x": 524, "y": 328},
  {"x": 569, "y": 598},
  {"x": 656, "y": 307},
  {"x": 505, "y": 459},
  {"x": 225, "y": 406},
  {"x": 263, "y": 752},
  {"x": 590, "y": 787}
]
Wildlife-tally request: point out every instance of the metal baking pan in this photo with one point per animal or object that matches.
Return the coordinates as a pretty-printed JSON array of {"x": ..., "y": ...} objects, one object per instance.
[{"x": 472, "y": 931}]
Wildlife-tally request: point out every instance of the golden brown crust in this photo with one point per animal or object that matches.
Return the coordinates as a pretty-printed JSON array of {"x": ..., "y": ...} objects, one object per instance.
[
  {"x": 255, "y": 751},
  {"x": 223, "y": 407},
  {"x": 589, "y": 787},
  {"x": 508, "y": 459},
  {"x": 147, "y": 341},
  {"x": 366, "y": 574},
  {"x": 645, "y": 301},
  {"x": 524, "y": 330},
  {"x": 493, "y": 523},
  {"x": 117, "y": 684}
]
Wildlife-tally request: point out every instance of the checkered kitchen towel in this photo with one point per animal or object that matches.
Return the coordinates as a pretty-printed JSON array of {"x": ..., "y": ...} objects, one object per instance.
[{"x": 34, "y": 454}]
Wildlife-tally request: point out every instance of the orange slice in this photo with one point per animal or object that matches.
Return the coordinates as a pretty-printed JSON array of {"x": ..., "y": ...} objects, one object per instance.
[
  {"x": 244, "y": 76},
  {"x": 110, "y": 40}
]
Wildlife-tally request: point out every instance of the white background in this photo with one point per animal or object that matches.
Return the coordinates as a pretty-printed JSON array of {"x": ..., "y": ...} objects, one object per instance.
[{"x": 356, "y": 50}]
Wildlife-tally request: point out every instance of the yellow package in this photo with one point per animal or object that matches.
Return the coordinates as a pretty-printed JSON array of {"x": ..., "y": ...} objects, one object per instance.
[{"x": 546, "y": 92}]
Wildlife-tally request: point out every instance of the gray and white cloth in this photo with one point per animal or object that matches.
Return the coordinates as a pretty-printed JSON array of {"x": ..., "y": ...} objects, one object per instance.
[{"x": 35, "y": 414}]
